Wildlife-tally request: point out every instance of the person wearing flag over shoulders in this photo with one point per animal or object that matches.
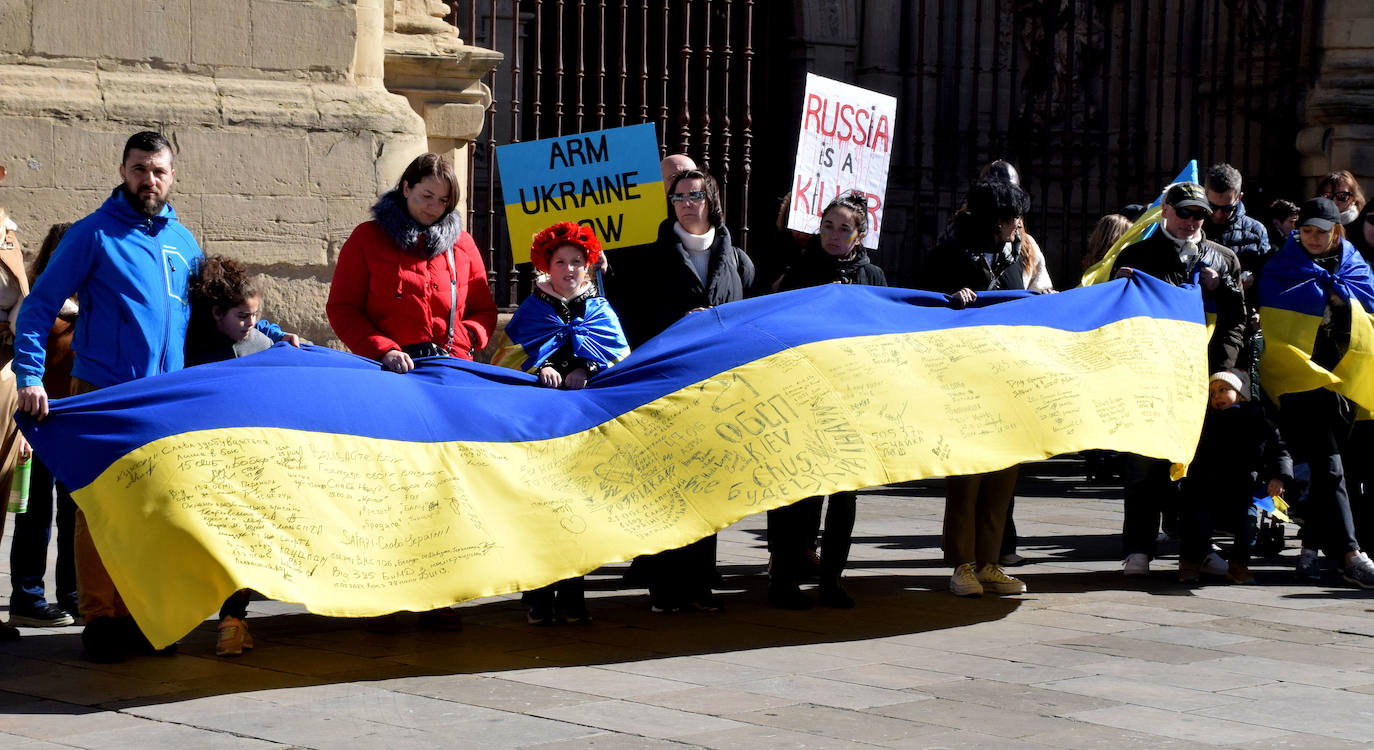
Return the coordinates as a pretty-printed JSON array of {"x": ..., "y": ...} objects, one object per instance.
[
  {"x": 566, "y": 334},
  {"x": 1178, "y": 254},
  {"x": 1315, "y": 296}
]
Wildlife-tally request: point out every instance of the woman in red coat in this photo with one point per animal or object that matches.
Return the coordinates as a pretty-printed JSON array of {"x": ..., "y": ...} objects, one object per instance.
[{"x": 410, "y": 283}]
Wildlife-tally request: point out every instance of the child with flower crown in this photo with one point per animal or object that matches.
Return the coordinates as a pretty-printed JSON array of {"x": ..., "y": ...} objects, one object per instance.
[{"x": 565, "y": 333}]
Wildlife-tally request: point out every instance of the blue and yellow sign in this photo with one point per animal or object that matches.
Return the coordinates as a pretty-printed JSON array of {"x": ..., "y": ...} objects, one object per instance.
[
  {"x": 608, "y": 180},
  {"x": 359, "y": 491}
]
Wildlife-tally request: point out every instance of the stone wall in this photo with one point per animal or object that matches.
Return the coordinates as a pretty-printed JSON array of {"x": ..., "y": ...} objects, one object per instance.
[
  {"x": 284, "y": 133},
  {"x": 1339, "y": 111}
]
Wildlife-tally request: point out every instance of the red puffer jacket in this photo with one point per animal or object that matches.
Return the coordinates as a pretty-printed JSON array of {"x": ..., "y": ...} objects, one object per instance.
[{"x": 383, "y": 298}]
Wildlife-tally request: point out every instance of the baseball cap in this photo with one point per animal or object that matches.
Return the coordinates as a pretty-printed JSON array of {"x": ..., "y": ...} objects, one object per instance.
[
  {"x": 1320, "y": 213},
  {"x": 1188, "y": 195}
]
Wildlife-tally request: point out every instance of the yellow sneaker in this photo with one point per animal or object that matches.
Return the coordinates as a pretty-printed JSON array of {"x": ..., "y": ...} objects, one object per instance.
[
  {"x": 233, "y": 637},
  {"x": 997, "y": 581}
]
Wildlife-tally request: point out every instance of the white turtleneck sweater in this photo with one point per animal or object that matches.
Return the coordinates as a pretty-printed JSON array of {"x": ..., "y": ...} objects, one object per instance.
[{"x": 697, "y": 247}]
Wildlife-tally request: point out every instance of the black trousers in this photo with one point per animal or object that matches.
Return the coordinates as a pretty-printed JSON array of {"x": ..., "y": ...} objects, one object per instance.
[
  {"x": 792, "y": 531},
  {"x": 1149, "y": 493},
  {"x": 1316, "y": 427},
  {"x": 682, "y": 576}
]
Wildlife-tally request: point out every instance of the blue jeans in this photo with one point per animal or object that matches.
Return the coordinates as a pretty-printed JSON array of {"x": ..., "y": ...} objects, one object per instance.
[{"x": 32, "y": 533}]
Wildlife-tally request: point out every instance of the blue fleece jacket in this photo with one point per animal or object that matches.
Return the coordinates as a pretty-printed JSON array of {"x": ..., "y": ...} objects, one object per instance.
[{"x": 129, "y": 273}]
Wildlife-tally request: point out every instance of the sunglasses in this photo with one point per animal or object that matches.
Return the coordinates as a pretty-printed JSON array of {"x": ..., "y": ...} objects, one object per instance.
[
  {"x": 1188, "y": 214},
  {"x": 1344, "y": 195},
  {"x": 1223, "y": 209},
  {"x": 696, "y": 196}
]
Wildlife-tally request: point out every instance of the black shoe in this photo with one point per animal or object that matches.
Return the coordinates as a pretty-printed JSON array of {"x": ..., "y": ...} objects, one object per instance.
[
  {"x": 571, "y": 607},
  {"x": 8, "y": 632},
  {"x": 104, "y": 641},
  {"x": 662, "y": 602},
  {"x": 46, "y": 616},
  {"x": 540, "y": 614},
  {"x": 832, "y": 594},
  {"x": 788, "y": 597}
]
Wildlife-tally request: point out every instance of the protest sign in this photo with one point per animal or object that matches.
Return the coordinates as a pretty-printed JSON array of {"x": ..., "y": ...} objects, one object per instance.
[
  {"x": 845, "y": 144},
  {"x": 607, "y": 180}
]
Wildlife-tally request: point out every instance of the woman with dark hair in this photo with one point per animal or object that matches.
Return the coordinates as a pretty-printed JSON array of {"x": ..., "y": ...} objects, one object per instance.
[
  {"x": 834, "y": 256},
  {"x": 692, "y": 266},
  {"x": 410, "y": 283},
  {"x": 981, "y": 248},
  {"x": 981, "y": 251}
]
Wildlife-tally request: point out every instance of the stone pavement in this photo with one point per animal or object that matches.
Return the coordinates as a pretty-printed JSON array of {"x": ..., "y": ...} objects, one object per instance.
[{"x": 1087, "y": 659}]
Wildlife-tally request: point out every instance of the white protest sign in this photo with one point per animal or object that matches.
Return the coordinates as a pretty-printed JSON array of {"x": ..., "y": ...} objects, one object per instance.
[{"x": 845, "y": 144}]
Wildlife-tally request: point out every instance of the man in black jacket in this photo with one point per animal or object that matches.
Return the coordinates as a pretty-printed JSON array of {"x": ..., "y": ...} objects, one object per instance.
[{"x": 1178, "y": 254}]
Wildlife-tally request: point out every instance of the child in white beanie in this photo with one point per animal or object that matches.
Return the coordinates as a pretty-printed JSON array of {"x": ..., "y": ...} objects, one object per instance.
[{"x": 1239, "y": 452}]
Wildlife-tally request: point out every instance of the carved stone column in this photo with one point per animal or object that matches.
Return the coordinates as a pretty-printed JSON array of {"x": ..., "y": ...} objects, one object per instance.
[
  {"x": 1338, "y": 118},
  {"x": 440, "y": 75}
]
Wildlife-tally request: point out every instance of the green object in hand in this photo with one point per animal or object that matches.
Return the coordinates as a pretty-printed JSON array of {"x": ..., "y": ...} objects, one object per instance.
[{"x": 19, "y": 485}]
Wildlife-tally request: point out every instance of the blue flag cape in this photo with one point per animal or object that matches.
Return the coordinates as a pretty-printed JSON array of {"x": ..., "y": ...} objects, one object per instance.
[
  {"x": 1293, "y": 293},
  {"x": 536, "y": 331}
]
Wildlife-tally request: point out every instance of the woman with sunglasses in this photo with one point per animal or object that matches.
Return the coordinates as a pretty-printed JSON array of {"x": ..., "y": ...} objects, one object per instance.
[
  {"x": 1321, "y": 287},
  {"x": 692, "y": 266},
  {"x": 1343, "y": 189}
]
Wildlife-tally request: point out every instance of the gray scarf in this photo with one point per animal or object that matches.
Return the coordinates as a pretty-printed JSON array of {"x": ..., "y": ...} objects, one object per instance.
[{"x": 391, "y": 215}]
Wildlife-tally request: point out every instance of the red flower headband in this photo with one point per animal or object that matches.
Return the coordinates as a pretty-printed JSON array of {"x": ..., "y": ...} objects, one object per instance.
[{"x": 558, "y": 235}]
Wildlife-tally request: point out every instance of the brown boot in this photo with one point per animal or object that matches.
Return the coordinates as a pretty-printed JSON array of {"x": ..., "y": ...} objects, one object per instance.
[
  {"x": 1189, "y": 571},
  {"x": 1237, "y": 573}
]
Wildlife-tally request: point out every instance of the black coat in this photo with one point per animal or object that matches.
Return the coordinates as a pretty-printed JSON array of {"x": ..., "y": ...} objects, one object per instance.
[
  {"x": 653, "y": 286},
  {"x": 816, "y": 267},
  {"x": 960, "y": 261},
  {"x": 1240, "y": 445},
  {"x": 1158, "y": 256},
  {"x": 1245, "y": 236}
]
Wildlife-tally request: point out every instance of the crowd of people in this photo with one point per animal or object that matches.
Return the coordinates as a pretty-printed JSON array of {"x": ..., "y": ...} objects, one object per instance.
[{"x": 126, "y": 293}]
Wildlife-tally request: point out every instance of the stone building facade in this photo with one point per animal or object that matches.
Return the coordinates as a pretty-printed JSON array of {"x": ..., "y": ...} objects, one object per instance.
[{"x": 284, "y": 128}]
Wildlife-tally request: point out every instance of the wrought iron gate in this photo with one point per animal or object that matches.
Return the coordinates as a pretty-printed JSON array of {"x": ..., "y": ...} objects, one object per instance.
[{"x": 1098, "y": 102}]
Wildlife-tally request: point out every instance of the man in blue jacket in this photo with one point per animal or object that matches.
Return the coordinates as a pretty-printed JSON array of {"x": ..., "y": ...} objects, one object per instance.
[{"x": 128, "y": 263}]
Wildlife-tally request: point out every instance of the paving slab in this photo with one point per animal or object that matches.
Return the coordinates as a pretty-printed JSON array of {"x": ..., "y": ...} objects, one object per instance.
[{"x": 1086, "y": 659}]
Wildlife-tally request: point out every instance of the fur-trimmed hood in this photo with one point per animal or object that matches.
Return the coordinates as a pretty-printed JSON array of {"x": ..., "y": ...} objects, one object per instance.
[{"x": 391, "y": 215}]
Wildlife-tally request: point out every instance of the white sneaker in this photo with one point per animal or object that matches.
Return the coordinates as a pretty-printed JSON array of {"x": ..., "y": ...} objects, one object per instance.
[
  {"x": 1360, "y": 571},
  {"x": 997, "y": 581},
  {"x": 1213, "y": 565},
  {"x": 964, "y": 582},
  {"x": 1136, "y": 564}
]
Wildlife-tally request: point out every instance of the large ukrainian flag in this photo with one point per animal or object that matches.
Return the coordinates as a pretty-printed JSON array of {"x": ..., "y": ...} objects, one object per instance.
[{"x": 314, "y": 476}]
